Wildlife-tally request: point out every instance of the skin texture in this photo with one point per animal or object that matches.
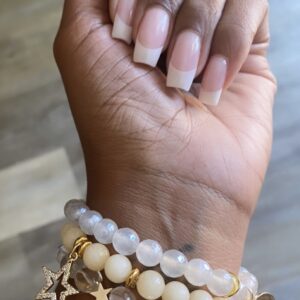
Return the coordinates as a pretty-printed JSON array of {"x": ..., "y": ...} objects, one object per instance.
[
  {"x": 182, "y": 174},
  {"x": 225, "y": 27}
]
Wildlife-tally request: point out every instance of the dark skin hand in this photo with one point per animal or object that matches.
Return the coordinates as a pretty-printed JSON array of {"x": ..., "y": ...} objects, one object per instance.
[{"x": 185, "y": 175}]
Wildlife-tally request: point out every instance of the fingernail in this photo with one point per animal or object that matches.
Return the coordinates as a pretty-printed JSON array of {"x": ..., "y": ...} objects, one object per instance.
[
  {"x": 184, "y": 61},
  {"x": 122, "y": 28},
  {"x": 151, "y": 36},
  {"x": 213, "y": 80},
  {"x": 113, "y": 8}
]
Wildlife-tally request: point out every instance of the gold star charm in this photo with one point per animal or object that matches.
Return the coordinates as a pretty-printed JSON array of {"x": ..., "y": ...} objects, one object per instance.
[
  {"x": 51, "y": 277},
  {"x": 101, "y": 294}
]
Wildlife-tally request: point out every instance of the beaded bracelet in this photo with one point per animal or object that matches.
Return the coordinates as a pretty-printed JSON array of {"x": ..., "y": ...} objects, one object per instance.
[{"x": 118, "y": 269}]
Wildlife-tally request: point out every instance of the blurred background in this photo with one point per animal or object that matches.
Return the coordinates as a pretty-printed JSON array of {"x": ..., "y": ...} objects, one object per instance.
[{"x": 41, "y": 164}]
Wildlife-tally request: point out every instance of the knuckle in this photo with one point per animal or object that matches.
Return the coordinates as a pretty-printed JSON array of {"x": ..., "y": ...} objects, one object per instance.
[
  {"x": 208, "y": 15},
  {"x": 237, "y": 31},
  {"x": 172, "y": 6},
  {"x": 235, "y": 37}
]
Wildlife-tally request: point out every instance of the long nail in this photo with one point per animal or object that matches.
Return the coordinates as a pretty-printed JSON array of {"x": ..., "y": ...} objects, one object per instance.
[
  {"x": 151, "y": 36},
  {"x": 213, "y": 80},
  {"x": 184, "y": 60},
  {"x": 122, "y": 28}
]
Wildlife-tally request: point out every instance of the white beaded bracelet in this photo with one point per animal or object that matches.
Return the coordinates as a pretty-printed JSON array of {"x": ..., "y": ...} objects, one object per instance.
[{"x": 149, "y": 253}]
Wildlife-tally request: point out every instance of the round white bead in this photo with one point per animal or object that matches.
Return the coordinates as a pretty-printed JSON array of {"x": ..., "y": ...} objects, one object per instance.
[
  {"x": 95, "y": 256},
  {"x": 149, "y": 253},
  {"x": 69, "y": 234},
  {"x": 66, "y": 227},
  {"x": 150, "y": 285},
  {"x": 197, "y": 272},
  {"x": 105, "y": 230},
  {"x": 220, "y": 283},
  {"x": 74, "y": 209},
  {"x": 173, "y": 263},
  {"x": 88, "y": 220},
  {"x": 175, "y": 290},
  {"x": 125, "y": 241},
  {"x": 117, "y": 268},
  {"x": 248, "y": 280},
  {"x": 200, "y": 295}
]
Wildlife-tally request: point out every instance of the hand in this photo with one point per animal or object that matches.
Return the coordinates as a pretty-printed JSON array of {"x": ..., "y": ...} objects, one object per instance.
[
  {"x": 206, "y": 40},
  {"x": 186, "y": 176}
]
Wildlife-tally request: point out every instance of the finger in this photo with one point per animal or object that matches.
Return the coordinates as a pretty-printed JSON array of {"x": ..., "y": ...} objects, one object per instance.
[
  {"x": 113, "y": 8},
  {"x": 122, "y": 28},
  {"x": 241, "y": 22},
  {"x": 154, "y": 29},
  {"x": 190, "y": 45}
]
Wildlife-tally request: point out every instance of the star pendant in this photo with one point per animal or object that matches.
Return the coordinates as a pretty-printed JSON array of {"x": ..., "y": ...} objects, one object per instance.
[
  {"x": 51, "y": 278},
  {"x": 102, "y": 293}
]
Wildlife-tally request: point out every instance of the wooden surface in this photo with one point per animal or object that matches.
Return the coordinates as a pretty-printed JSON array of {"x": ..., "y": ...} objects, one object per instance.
[{"x": 38, "y": 140}]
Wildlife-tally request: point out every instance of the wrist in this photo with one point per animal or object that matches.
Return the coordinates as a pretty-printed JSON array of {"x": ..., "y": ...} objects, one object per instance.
[{"x": 178, "y": 213}]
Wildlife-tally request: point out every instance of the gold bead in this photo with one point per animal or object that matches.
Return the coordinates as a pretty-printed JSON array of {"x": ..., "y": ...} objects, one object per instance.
[
  {"x": 236, "y": 286},
  {"x": 83, "y": 247},
  {"x": 132, "y": 278},
  {"x": 79, "y": 246}
]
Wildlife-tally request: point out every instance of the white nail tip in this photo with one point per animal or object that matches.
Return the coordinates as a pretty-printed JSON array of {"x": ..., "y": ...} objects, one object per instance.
[
  {"x": 180, "y": 79},
  {"x": 210, "y": 98},
  {"x": 121, "y": 30},
  {"x": 145, "y": 55}
]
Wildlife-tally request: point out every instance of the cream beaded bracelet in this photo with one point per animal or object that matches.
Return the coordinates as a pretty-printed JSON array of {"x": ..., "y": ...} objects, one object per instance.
[{"x": 118, "y": 269}]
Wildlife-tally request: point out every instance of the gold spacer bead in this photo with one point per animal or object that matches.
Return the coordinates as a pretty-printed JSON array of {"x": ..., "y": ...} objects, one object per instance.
[
  {"x": 79, "y": 246},
  {"x": 83, "y": 247},
  {"x": 236, "y": 286},
  {"x": 132, "y": 278}
]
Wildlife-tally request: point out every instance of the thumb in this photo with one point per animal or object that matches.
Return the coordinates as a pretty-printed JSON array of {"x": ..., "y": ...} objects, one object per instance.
[
  {"x": 79, "y": 20},
  {"x": 90, "y": 10}
]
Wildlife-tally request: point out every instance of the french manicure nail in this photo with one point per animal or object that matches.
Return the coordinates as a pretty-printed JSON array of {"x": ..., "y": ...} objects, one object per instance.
[
  {"x": 184, "y": 61},
  {"x": 213, "y": 80},
  {"x": 122, "y": 28},
  {"x": 151, "y": 36}
]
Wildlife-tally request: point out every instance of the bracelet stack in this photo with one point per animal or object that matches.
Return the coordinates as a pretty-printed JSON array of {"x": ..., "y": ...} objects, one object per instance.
[{"x": 85, "y": 262}]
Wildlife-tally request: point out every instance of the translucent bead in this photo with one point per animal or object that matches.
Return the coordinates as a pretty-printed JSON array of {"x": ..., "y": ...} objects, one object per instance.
[
  {"x": 95, "y": 256},
  {"x": 220, "y": 283},
  {"x": 105, "y": 230},
  {"x": 173, "y": 263},
  {"x": 74, "y": 209},
  {"x": 87, "y": 280},
  {"x": 175, "y": 290},
  {"x": 149, "y": 253},
  {"x": 88, "y": 220},
  {"x": 248, "y": 280},
  {"x": 200, "y": 295},
  {"x": 62, "y": 253},
  {"x": 117, "y": 268},
  {"x": 197, "y": 272},
  {"x": 150, "y": 285},
  {"x": 76, "y": 266},
  {"x": 125, "y": 241},
  {"x": 121, "y": 293}
]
